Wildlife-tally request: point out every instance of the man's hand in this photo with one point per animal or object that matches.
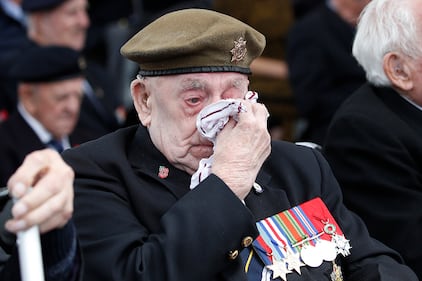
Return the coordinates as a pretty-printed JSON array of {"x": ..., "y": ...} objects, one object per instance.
[
  {"x": 49, "y": 203},
  {"x": 241, "y": 148}
]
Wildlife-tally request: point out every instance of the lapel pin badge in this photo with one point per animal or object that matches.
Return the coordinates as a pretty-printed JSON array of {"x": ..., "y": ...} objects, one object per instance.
[{"x": 163, "y": 172}]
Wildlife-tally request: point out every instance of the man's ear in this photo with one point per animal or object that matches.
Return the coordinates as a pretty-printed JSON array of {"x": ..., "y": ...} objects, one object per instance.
[
  {"x": 25, "y": 94},
  {"x": 141, "y": 101},
  {"x": 398, "y": 71}
]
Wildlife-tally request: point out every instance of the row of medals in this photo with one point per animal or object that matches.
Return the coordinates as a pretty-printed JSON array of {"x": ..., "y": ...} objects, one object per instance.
[{"x": 312, "y": 256}]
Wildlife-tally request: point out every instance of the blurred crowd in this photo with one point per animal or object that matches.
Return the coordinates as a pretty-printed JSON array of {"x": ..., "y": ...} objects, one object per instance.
[{"x": 97, "y": 30}]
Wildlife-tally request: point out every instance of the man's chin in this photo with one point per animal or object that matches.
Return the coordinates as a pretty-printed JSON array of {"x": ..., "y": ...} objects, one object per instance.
[{"x": 200, "y": 152}]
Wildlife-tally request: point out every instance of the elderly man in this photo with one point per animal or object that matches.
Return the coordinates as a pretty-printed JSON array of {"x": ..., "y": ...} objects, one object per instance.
[
  {"x": 65, "y": 23},
  {"x": 322, "y": 70},
  {"x": 57, "y": 22},
  {"x": 49, "y": 93},
  {"x": 49, "y": 206},
  {"x": 374, "y": 144},
  {"x": 198, "y": 192}
]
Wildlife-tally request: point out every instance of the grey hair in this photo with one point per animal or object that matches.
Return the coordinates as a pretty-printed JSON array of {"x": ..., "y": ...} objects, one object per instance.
[{"x": 385, "y": 26}]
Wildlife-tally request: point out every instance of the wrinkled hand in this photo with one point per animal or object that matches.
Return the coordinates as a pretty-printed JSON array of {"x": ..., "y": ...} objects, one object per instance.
[
  {"x": 49, "y": 203},
  {"x": 241, "y": 148}
]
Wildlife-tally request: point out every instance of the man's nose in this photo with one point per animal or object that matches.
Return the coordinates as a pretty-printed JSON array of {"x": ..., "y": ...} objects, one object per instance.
[{"x": 74, "y": 105}]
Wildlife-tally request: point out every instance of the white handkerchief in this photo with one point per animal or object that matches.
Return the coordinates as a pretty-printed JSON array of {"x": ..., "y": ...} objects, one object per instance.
[{"x": 210, "y": 121}]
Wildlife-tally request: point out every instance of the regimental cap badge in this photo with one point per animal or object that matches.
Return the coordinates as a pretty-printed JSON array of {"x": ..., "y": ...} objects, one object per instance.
[{"x": 239, "y": 50}]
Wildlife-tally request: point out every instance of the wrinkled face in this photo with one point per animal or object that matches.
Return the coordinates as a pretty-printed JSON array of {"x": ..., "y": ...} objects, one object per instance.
[
  {"x": 168, "y": 107},
  {"x": 55, "y": 105},
  {"x": 65, "y": 25}
]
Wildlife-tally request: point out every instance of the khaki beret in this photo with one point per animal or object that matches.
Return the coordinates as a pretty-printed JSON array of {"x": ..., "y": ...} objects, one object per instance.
[{"x": 194, "y": 40}]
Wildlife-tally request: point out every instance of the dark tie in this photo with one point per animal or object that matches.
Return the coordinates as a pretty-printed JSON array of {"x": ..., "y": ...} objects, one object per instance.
[{"x": 57, "y": 145}]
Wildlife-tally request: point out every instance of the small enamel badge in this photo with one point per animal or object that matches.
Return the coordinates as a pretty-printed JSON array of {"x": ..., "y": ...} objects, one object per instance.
[
  {"x": 163, "y": 172},
  {"x": 239, "y": 50}
]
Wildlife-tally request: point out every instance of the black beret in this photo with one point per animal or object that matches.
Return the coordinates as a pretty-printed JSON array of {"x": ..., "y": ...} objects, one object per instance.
[
  {"x": 194, "y": 40},
  {"x": 46, "y": 64},
  {"x": 40, "y": 5}
]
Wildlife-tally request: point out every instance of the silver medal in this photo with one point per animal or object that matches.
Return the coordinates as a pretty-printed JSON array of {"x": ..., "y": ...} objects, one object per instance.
[
  {"x": 311, "y": 256},
  {"x": 326, "y": 249}
]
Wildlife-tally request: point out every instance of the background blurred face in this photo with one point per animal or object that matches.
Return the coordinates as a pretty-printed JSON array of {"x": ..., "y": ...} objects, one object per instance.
[
  {"x": 55, "y": 105},
  {"x": 172, "y": 104},
  {"x": 350, "y": 10},
  {"x": 65, "y": 25}
]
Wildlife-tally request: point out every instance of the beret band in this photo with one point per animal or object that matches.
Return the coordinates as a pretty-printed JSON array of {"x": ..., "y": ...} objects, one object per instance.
[
  {"x": 194, "y": 70},
  {"x": 40, "y": 5}
]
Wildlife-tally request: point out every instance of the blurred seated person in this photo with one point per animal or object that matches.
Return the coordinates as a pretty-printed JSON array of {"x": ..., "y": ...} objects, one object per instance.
[
  {"x": 49, "y": 206},
  {"x": 160, "y": 215},
  {"x": 322, "y": 70},
  {"x": 50, "y": 91},
  {"x": 302, "y": 7},
  {"x": 276, "y": 128},
  {"x": 374, "y": 143},
  {"x": 65, "y": 23}
]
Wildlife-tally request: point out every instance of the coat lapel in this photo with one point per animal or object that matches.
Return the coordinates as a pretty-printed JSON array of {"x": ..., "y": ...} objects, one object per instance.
[
  {"x": 147, "y": 160},
  {"x": 403, "y": 109},
  {"x": 270, "y": 201}
]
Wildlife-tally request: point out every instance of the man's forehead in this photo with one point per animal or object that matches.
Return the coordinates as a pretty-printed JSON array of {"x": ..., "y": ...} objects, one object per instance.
[
  {"x": 71, "y": 4},
  {"x": 212, "y": 76},
  {"x": 200, "y": 80}
]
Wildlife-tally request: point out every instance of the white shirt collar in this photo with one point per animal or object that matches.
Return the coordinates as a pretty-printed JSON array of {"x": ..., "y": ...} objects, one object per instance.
[
  {"x": 14, "y": 10},
  {"x": 39, "y": 129},
  {"x": 412, "y": 102}
]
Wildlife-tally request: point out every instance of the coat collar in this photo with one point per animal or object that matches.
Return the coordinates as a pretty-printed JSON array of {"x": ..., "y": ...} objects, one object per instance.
[
  {"x": 402, "y": 108},
  {"x": 270, "y": 201},
  {"x": 146, "y": 159}
]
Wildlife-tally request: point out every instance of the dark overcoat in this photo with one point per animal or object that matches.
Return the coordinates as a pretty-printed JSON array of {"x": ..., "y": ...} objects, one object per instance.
[
  {"x": 374, "y": 146},
  {"x": 135, "y": 225}
]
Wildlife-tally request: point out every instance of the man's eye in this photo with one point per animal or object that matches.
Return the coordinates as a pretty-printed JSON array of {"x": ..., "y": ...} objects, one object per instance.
[{"x": 193, "y": 100}]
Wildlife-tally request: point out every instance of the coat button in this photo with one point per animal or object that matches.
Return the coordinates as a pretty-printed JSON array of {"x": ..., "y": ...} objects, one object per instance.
[
  {"x": 257, "y": 188},
  {"x": 247, "y": 241},
  {"x": 233, "y": 254}
]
